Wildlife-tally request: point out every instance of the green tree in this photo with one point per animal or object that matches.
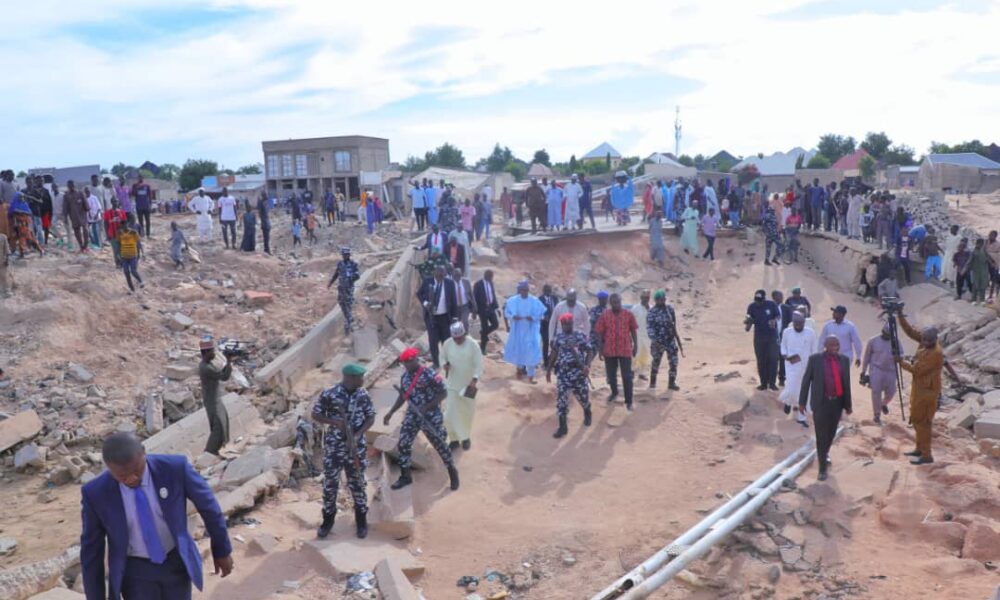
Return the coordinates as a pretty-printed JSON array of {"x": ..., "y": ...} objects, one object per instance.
[
  {"x": 498, "y": 159},
  {"x": 699, "y": 160},
  {"x": 685, "y": 160},
  {"x": 867, "y": 168},
  {"x": 900, "y": 154},
  {"x": 146, "y": 174},
  {"x": 193, "y": 170},
  {"x": 446, "y": 155},
  {"x": 833, "y": 147},
  {"x": 252, "y": 169},
  {"x": 121, "y": 169},
  {"x": 724, "y": 165},
  {"x": 542, "y": 157},
  {"x": 574, "y": 165},
  {"x": 21, "y": 174},
  {"x": 819, "y": 161},
  {"x": 414, "y": 164},
  {"x": 798, "y": 161},
  {"x": 607, "y": 162},
  {"x": 516, "y": 168},
  {"x": 169, "y": 171},
  {"x": 876, "y": 144},
  {"x": 747, "y": 174}
]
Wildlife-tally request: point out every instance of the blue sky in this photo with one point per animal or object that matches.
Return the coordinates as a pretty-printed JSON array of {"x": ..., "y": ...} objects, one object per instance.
[{"x": 116, "y": 80}]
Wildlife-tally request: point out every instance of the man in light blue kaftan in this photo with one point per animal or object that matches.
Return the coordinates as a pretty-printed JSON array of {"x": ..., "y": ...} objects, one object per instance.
[
  {"x": 524, "y": 312},
  {"x": 622, "y": 197}
]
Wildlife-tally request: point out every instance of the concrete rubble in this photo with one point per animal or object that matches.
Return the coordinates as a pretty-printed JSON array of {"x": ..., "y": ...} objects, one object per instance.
[
  {"x": 23, "y": 582},
  {"x": 188, "y": 435},
  {"x": 21, "y": 427}
]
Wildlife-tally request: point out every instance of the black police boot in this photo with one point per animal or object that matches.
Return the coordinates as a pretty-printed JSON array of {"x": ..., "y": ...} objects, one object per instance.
[
  {"x": 673, "y": 384},
  {"x": 587, "y": 417},
  {"x": 404, "y": 479},
  {"x": 562, "y": 428},
  {"x": 453, "y": 476},
  {"x": 361, "y": 522},
  {"x": 327, "y": 525}
]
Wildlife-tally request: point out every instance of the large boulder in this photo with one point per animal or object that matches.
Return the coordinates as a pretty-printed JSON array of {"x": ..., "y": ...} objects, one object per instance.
[
  {"x": 21, "y": 427},
  {"x": 982, "y": 542}
]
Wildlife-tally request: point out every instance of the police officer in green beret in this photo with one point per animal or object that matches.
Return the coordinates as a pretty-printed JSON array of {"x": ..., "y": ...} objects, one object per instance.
[{"x": 348, "y": 412}]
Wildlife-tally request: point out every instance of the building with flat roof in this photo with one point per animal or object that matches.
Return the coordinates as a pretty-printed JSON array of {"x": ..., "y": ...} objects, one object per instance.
[{"x": 315, "y": 164}]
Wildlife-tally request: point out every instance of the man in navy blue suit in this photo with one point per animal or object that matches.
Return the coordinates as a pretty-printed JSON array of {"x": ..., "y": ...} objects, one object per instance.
[{"x": 138, "y": 506}]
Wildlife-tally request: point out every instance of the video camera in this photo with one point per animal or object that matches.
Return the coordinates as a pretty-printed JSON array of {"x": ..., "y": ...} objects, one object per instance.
[
  {"x": 892, "y": 305},
  {"x": 234, "y": 349}
]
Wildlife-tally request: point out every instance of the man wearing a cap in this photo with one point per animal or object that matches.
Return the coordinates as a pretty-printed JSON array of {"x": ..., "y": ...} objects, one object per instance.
[
  {"x": 553, "y": 202},
  {"x": 524, "y": 312},
  {"x": 347, "y": 272},
  {"x": 212, "y": 371},
  {"x": 879, "y": 367},
  {"x": 422, "y": 388},
  {"x": 535, "y": 198},
  {"x": 346, "y": 409},
  {"x": 439, "y": 298},
  {"x": 925, "y": 387},
  {"x": 797, "y": 299},
  {"x": 826, "y": 384},
  {"x": 764, "y": 316},
  {"x": 463, "y": 366},
  {"x": 846, "y": 332},
  {"x": 617, "y": 344},
  {"x": 661, "y": 326},
  {"x": 570, "y": 357},
  {"x": 797, "y": 344}
]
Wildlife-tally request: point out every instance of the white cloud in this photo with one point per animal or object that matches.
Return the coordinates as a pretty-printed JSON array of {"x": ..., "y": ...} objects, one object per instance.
[{"x": 282, "y": 69}]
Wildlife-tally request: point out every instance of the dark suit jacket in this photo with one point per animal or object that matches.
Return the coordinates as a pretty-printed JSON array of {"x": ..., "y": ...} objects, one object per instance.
[
  {"x": 459, "y": 260},
  {"x": 427, "y": 241},
  {"x": 479, "y": 293},
  {"x": 426, "y": 294},
  {"x": 470, "y": 297},
  {"x": 104, "y": 523},
  {"x": 814, "y": 380}
]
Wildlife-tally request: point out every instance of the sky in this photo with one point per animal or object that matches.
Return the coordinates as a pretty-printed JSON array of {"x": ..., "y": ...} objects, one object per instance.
[{"x": 109, "y": 81}]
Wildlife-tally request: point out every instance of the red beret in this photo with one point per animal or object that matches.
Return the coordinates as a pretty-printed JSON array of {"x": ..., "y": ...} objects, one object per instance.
[
  {"x": 565, "y": 317},
  {"x": 409, "y": 354}
]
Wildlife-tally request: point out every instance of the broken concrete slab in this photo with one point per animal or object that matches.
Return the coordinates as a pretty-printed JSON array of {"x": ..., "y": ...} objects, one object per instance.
[
  {"x": 35, "y": 578},
  {"x": 79, "y": 373},
  {"x": 990, "y": 400},
  {"x": 947, "y": 534},
  {"x": 179, "y": 322},
  {"x": 180, "y": 371},
  {"x": 986, "y": 426},
  {"x": 421, "y": 455},
  {"x": 245, "y": 496},
  {"x": 392, "y": 583},
  {"x": 366, "y": 344},
  {"x": 30, "y": 456},
  {"x": 21, "y": 427},
  {"x": 306, "y": 514},
  {"x": 255, "y": 461},
  {"x": 982, "y": 542},
  {"x": 965, "y": 415},
  {"x": 188, "y": 436},
  {"x": 261, "y": 544},
  {"x": 348, "y": 556},
  {"x": 154, "y": 413},
  {"x": 391, "y": 512},
  {"x": 485, "y": 255}
]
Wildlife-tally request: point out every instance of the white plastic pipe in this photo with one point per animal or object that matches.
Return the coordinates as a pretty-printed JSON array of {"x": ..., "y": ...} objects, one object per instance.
[
  {"x": 726, "y": 526},
  {"x": 663, "y": 556}
]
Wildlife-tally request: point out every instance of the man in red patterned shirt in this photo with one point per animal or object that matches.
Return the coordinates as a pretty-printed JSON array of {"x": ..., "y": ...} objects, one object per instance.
[{"x": 617, "y": 344}]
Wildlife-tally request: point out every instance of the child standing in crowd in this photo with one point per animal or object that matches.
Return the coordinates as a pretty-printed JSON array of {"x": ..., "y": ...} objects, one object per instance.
[
  {"x": 296, "y": 233},
  {"x": 311, "y": 227},
  {"x": 866, "y": 223},
  {"x": 130, "y": 248},
  {"x": 177, "y": 243}
]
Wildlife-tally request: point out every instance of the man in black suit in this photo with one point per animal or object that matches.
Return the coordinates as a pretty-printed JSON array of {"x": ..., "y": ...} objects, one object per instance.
[
  {"x": 435, "y": 239},
  {"x": 486, "y": 302},
  {"x": 438, "y": 297},
  {"x": 828, "y": 380}
]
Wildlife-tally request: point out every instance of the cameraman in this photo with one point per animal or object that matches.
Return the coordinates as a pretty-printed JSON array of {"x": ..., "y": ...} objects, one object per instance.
[
  {"x": 212, "y": 371},
  {"x": 926, "y": 387}
]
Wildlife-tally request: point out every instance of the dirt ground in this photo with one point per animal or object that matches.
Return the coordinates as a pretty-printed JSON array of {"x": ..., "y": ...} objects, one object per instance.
[{"x": 565, "y": 516}]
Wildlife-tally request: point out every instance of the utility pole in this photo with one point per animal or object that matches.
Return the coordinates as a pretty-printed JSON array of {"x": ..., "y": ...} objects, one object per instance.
[{"x": 677, "y": 133}]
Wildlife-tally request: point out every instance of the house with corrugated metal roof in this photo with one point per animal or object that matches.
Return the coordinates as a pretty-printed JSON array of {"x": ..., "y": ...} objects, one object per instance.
[
  {"x": 963, "y": 172},
  {"x": 602, "y": 152}
]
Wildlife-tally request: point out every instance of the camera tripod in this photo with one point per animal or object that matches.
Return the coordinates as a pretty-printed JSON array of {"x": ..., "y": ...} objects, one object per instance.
[{"x": 897, "y": 350}]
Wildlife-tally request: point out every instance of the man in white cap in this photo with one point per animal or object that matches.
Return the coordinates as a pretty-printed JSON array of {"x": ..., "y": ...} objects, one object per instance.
[
  {"x": 797, "y": 344},
  {"x": 203, "y": 206},
  {"x": 573, "y": 193},
  {"x": 462, "y": 361}
]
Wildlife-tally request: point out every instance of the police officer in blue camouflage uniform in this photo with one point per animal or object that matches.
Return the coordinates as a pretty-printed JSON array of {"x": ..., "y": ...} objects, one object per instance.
[
  {"x": 661, "y": 326},
  {"x": 570, "y": 356},
  {"x": 347, "y": 272},
  {"x": 772, "y": 237},
  {"x": 595, "y": 314},
  {"x": 425, "y": 390},
  {"x": 346, "y": 409}
]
